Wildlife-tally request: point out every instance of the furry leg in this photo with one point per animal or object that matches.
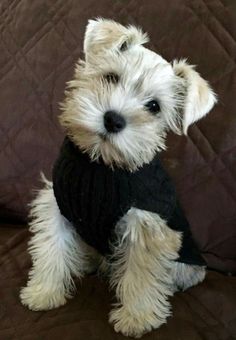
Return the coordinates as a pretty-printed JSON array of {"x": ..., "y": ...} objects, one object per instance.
[
  {"x": 141, "y": 272},
  {"x": 185, "y": 276},
  {"x": 57, "y": 255}
]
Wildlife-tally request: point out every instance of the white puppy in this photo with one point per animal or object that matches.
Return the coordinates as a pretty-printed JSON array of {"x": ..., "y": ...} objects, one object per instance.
[{"x": 119, "y": 106}]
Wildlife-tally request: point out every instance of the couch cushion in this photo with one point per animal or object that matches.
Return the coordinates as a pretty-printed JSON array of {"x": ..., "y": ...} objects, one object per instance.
[
  {"x": 207, "y": 311},
  {"x": 40, "y": 42}
]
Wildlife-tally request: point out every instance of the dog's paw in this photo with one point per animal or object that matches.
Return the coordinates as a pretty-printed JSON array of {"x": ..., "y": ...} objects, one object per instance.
[
  {"x": 185, "y": 276},
  {"x": 134, "y": 326},
  {"x": 38, "y": 300}
]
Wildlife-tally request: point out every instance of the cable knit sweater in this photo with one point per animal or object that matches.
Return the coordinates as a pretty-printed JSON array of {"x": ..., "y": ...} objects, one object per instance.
[{"x": 93, "y": 197}]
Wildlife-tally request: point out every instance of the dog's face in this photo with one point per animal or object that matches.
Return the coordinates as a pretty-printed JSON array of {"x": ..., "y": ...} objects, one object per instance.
[{"x": 125, "y": 97}]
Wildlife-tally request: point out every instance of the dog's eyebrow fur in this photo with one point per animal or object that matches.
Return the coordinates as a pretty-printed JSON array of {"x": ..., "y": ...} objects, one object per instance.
[
  {"x": 140, "y": 81},
  {"x": 138, "y": 84}
]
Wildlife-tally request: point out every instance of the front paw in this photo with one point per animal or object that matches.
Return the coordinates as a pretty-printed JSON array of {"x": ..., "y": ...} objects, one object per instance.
[
  {"x": 37, "y": 299},
  {"x": 133, "y": 325}
]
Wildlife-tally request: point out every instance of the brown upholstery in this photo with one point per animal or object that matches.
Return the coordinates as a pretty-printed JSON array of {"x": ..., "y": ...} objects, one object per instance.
[{"x": 40, "y": 41}]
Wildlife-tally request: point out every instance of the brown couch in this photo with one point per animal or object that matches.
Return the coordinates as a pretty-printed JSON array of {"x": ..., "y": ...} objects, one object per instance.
[{"x": 39, "y": 43}]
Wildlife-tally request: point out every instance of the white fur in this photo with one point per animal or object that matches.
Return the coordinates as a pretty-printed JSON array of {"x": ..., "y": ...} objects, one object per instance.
[
  {"x": 199, "y": 99},
  {"x": 142, "y": 268},
  {"x": 57, "y": 254},
  {"x": 100, "y": 33}
]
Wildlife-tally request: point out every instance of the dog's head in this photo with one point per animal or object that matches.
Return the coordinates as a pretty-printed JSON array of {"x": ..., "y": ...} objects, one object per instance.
[{"x": 124, "y": 97}]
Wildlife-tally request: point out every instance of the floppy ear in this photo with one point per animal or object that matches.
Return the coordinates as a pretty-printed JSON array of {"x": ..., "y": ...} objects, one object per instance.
[
  {"x": 103, "y": 34},
  {"x": 199, "y": 97}
]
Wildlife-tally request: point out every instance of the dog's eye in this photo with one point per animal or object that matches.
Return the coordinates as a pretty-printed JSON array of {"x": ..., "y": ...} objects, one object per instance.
[
  {"x": 111, "y": 78},
  {"x": 153, "y": 106}
]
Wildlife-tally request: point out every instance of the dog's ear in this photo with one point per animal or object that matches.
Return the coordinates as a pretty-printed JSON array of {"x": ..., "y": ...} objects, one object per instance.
[
  {"x": 104, "y": 34},
  {"x": 199, "y": 98}
]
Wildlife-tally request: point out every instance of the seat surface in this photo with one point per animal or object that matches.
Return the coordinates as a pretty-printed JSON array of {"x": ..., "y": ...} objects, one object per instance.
[{"x": 203, "y": 312}]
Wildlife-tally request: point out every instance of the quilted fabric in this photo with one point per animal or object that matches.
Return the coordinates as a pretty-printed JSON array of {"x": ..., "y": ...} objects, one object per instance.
[
  {"x": 40, "y": 42},
  {"x": 203, "y": 312}
]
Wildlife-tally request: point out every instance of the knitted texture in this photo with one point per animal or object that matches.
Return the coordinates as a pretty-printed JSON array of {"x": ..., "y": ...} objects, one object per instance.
[{"x": 93, "y": 197}]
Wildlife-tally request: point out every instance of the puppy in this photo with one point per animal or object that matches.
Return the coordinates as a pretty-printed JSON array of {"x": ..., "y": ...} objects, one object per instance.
[{"x": 111, "y": 205}]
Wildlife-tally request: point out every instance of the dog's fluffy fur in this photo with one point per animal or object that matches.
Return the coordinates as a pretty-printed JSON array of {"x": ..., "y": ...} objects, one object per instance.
[{"x": 142, "y": 268}]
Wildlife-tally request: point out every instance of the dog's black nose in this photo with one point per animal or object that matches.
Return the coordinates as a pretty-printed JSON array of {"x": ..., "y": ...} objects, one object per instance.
[{"x": 114, "y": 122}]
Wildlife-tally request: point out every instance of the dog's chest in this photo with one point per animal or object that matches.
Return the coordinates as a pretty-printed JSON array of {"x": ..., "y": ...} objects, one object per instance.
[{"x": 93, "y": 197}]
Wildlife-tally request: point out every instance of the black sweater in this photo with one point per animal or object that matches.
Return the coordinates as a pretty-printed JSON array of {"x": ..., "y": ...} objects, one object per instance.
[{"x": 93, "y": 197}]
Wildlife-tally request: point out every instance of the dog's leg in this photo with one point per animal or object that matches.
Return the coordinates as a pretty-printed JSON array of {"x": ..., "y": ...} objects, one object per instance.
[
  {"x": 141, "y": 272},
  {"x": 185, "y": 276},
  {"x": 57, "y": 255}
]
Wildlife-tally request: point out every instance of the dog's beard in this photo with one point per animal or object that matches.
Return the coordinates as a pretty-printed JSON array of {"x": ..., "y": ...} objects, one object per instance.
[{"x": 128, "y": 149}]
